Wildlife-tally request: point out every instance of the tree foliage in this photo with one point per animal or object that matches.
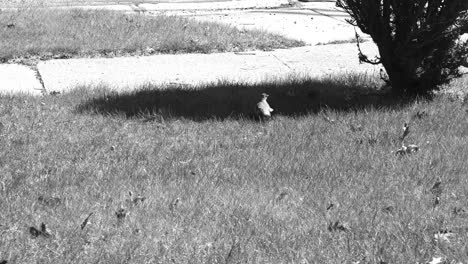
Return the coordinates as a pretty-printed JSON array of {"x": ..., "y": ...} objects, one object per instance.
[{"x": 418, "y": 40}]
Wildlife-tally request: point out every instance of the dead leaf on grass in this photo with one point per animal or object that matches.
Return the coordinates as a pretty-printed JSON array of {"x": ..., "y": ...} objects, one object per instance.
[
  {"x": 371, "y": 140},
  {"x": 444, "y": 236},
  {"x": 458, "y": 211},
  {"x": 421, "y": 115},
  {"x": 135, "y": 201},
  {"x": 121, "y": 214},
  {"x": 85, "y": 222},
  {"x": 36, "y": 232},
  {"x": 281, "y": 196},
  {"x": 49, "y": 201},
  {"x": 406, "y": 131},
  {"x": 388, "y": 210},
  {"x": 436, "y": 260},
  {"x": 337, "y": 226},
  {"x": 359, "y": 141},
  {"x": 436, "y": 190},
  {"x": 411, "y": 148},
  {"x": 234, "y": 253},
  {"x": 174, "y": 204}
]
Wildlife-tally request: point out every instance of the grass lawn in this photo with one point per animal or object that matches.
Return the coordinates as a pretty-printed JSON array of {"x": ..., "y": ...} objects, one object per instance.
[
  {"x": 313, "y": 185},
  {"x": 49, "y": 33},
  {"x": 38, "y": 3},
  {"x": 26, "y": 3}
]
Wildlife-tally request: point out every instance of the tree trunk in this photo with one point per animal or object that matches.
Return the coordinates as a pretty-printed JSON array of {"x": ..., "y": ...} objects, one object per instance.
[{"x": 402, "y": 68}]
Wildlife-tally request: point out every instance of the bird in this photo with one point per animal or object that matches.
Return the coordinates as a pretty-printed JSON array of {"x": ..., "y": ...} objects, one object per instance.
[{"x": 263, "y": 108}]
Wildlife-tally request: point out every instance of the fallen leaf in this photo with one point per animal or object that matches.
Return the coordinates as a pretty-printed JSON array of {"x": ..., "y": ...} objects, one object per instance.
[
  {"x": 405, "y": 131},
  {"x": 85, "y": 222},
  {"x": 458, "y": 210},
  {"x": 444, "y": 236},
  {"x": 44, "y": 230},
  {"x": 281, "y": 196},
  {"x": 437, "y": 188},
  {"x": 174, "y": 204},
  {"x": 121, "y": 214},
  {"x": 411, "y": 148},
  {"x": 388, "y": 209},
  {"x": 337, "y": 226},
  {"x": 139, "y": 199},
  {"x": 421, "y": 114},
  {"x": 436, "y": 260},
  {"x": 234, "y": 253},
  {"x": 36, "y": 232},
  {"x": 49, "y": 201}
]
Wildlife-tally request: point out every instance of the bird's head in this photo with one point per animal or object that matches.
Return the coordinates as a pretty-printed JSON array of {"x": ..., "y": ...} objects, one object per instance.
[{"x": 264, "y": 95}]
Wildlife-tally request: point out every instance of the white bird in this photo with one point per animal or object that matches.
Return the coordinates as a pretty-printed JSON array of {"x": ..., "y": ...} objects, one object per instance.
[{"x": 263, "y": 108}]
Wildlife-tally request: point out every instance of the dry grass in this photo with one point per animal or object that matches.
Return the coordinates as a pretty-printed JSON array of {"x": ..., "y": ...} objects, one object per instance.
[
  {"x": 49, "y": 33},
  {"x": 342, "y": 41},
  {"x": 301, "y": 188}
]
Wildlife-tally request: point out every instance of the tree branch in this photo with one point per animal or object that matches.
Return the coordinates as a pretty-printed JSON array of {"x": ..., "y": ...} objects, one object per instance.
[{"x": 362, "y": 56}]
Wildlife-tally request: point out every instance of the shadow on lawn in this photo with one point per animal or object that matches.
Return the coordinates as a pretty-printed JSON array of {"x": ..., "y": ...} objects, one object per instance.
[{"x": 289, "y": 97}]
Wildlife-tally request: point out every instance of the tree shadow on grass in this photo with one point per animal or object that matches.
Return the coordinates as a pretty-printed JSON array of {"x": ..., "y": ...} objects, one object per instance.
[{"x": 295, "y": 96}]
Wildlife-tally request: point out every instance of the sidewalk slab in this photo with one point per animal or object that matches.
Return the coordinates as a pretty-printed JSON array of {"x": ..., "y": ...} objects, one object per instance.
[
  {"x": 16, "y": 79},
  {"x": 215, "y": 5},
  {"x": 318, "y": 23},
  {"x": 129, "y": 73}
]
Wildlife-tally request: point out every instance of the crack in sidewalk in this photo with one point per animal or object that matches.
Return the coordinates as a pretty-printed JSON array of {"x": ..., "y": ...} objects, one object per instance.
[{"x": 282, "y": 62}]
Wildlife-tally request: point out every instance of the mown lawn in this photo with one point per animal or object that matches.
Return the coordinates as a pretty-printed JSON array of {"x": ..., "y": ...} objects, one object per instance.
[
  {"x": 317, "y": 184},
  {"x": 60, "y": 33},
  {"x": 42, "y": 3}
]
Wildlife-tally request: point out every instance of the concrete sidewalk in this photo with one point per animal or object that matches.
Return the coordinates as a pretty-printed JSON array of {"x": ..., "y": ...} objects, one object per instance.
[
  {"x": 18, "y": 79},
  {"x": 151, "y": 5},
  {"x": 312, "y": 23},
  {"x": 128, "y": 73}
]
